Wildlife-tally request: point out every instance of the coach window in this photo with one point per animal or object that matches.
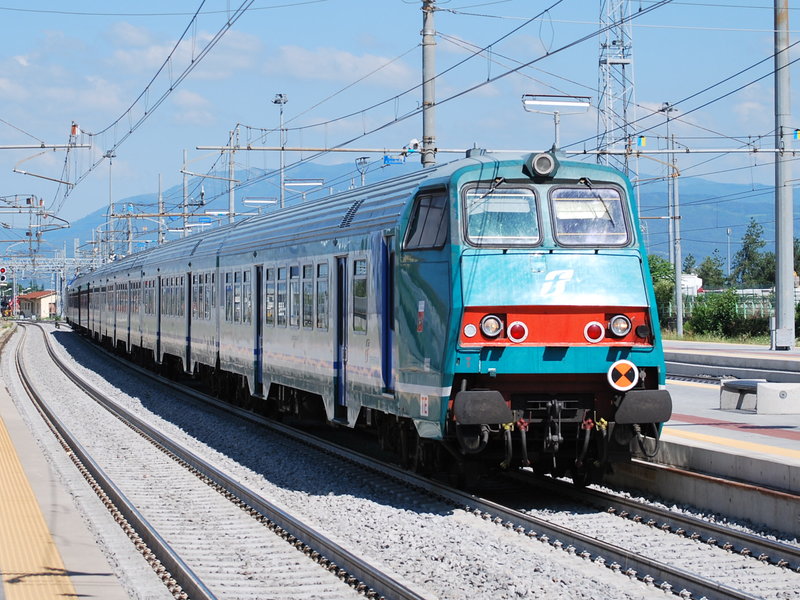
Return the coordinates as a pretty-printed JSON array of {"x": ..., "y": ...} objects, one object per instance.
[
  {"x": 207, "y": 295},
  {"x": 194, "y": 296},
  {"x": 429, "y": 222},
  {"x": 201, "y": 296},
  {"x": 247, "y": 298},
  {"x": 294, "y": 296},
  {"x": 269, "y": 298},
  {"x": 322, "y": 296},
  {"x": 589, "y": 216},
  {"x": 501, "y": 216},
  {"x": 237, "y": 296},
  {"x": 228, "y": 297},
  {"x": 360, "y": 296},
  {"x": 281, "y": 301},
  {"x": 213, "y": 290},
  {"x": 182, "y": 296},
  {"x": 308, "y": 296},
  {"x": 170, "y": 308}
]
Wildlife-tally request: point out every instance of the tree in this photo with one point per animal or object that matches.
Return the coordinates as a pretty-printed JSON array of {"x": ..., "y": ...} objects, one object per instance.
[
  {"x": 710, "y": 271},
  {"x": 660, "y": 268},
  {"x": 663, "y": 285},
  {"x": 689, "y": 263},
  {"x": 751, "y": 267}
]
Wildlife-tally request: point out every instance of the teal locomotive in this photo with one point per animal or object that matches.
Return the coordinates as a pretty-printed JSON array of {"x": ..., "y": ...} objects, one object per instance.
[{"x": 495, "y": 312}]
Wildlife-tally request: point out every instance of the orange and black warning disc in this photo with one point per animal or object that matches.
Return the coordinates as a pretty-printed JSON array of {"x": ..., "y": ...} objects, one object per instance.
[{"x": 623, "y": 375}]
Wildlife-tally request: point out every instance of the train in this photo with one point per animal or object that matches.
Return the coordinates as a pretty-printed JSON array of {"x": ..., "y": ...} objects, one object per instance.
[{"x": 494, "y": 312}]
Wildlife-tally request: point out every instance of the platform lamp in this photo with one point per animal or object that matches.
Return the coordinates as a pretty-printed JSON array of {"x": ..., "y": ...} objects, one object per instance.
[{"x": 556, "y": 105}]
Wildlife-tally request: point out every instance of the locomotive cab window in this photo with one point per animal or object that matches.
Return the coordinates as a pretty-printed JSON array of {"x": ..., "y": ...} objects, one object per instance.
[
  {"x": 589, "y": 217},
  {"x": 429, "y": 222},
  {"x": 501, "y": 216}
]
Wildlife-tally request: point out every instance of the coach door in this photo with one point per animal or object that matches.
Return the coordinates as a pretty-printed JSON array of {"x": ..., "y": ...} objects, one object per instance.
[
  {"x": 258, "y": 348},
  {"x": 159, "y": 298},
  {"x": 340, "y": 365},
  {"x": 387, "y": 312},
  {"x": 189, "y": 312}
]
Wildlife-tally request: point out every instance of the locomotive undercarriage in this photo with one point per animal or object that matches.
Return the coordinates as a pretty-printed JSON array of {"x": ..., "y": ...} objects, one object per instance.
[{"x": 556, "y": 425}]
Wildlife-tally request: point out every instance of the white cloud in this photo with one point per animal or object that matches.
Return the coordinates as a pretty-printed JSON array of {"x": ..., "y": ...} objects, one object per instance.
[
  {"x": 234, "y": 52},
  {"x": 12, "y": 90},
  {"x": 330, "y": 64},
  {"x": 192, "y": 108},
  {"x": 125, "y": 34},
  {"x": 96, "y": 94}
]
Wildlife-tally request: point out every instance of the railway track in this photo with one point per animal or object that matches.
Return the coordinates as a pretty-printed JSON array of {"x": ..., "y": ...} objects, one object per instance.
[
  {"x": 769, "y": 561},
  {"x": 732, "y": 540},
  {"x": 272, "y": 553}
]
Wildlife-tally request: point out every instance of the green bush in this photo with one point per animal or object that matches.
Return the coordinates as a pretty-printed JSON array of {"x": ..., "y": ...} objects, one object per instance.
[{"x": 717, "y": 314}]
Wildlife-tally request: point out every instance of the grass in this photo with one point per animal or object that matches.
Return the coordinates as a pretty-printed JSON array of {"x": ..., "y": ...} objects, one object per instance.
[{"x": 760, "y": 340}]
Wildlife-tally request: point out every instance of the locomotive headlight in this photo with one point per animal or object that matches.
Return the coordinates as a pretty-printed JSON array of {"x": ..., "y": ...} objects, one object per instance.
[
  {"x": 620, "y": 325},
  {"x": 491, "y": 326},
  {"x": 470, "y": 330}
]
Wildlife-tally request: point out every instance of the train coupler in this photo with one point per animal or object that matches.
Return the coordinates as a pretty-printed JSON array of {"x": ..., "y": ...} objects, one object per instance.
[{"x": 552, "y": 437}]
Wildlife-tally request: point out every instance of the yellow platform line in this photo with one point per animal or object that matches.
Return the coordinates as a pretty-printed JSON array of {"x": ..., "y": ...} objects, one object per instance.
[
  {"x": 738, "y": 444},
  {"x": 30, "y": 564}
]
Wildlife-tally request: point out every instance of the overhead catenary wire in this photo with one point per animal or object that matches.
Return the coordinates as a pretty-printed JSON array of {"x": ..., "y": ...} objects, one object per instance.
[
  {"x": 456, "y": 95},
  {"x": 135, "y": 124}
]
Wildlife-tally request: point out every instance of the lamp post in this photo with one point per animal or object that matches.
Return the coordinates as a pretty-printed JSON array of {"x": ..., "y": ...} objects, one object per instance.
[
  {"x": 361, "y": 165},
  {"x": 280, "y": 100},
  {"x": 667, "y": 108},
  {"x": 110, "y": 156},
  {"x": 728, "y": 231}
]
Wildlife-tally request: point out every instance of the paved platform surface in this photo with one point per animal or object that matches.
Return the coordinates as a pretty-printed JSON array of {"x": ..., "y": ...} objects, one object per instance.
[{"x": 46, "y": 550}]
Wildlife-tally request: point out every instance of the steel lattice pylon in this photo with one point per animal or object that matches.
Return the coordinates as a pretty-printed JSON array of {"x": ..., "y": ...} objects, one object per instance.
[{"x": 617, "y": 100}]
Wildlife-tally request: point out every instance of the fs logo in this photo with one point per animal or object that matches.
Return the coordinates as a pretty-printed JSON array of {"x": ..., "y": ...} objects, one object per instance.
[{"x": 555, "y": 282}]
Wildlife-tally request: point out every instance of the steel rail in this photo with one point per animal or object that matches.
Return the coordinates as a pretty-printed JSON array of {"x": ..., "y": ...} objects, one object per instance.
[
  {"x": 331, "y": 554},
  {"x": 741, "y": 542},
  {"x": 190, "y": 583}
]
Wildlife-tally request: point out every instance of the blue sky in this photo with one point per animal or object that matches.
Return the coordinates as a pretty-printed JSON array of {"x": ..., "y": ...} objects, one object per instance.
[{"x": 87, "y": 61}]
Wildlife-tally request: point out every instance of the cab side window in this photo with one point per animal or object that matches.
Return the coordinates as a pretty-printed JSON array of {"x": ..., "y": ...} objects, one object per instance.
[{"x": 429, "y": 223}]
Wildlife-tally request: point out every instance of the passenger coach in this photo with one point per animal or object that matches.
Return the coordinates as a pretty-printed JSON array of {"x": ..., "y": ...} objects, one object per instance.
[{"x": 493, "y": 311}]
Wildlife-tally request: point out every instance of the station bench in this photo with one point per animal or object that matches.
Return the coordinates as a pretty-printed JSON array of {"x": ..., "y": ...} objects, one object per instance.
[{"x": 759, "y": 396}]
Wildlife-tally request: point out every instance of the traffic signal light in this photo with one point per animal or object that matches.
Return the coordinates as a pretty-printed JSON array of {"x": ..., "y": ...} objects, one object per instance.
[{"x": 2, "y": 274}]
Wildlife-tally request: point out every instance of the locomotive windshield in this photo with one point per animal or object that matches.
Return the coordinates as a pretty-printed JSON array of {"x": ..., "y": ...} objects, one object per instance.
[
  {"x": 501, "y": 216},
  {"x": 589, "y": 217}
]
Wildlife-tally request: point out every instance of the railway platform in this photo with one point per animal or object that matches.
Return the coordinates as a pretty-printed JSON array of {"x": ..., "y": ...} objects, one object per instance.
[
  {"x": 763, "y": 449},
  {"x": 46, "y": 549},
  {"x": 714, "y": 440}
]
